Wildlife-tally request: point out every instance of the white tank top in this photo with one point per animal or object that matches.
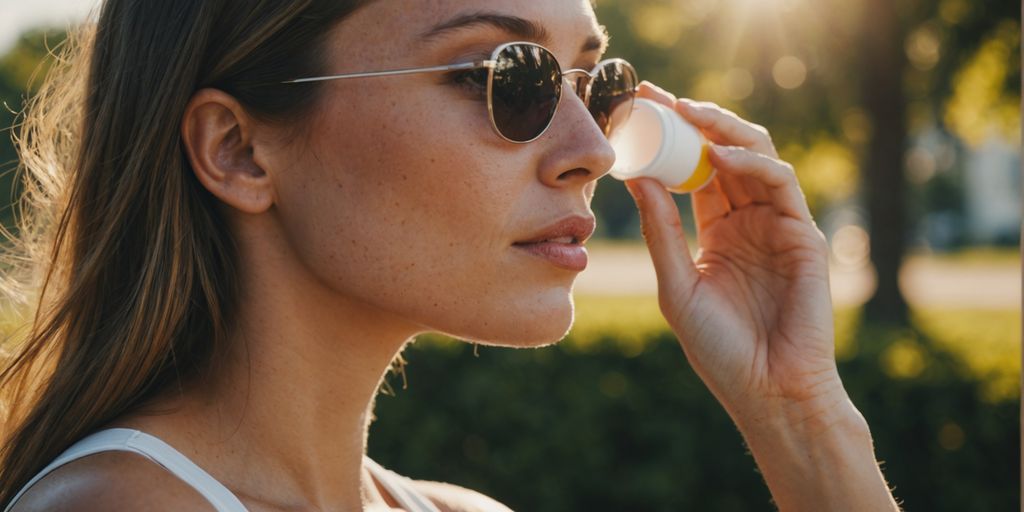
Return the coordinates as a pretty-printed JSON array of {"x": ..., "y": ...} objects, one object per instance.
[{"x": 131, "y": 440}]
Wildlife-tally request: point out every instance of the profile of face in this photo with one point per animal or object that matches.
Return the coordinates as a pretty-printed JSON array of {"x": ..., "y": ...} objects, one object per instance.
[{"x": 400, "y": 195}]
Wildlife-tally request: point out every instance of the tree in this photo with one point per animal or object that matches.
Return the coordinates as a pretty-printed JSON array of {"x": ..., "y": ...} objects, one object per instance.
[
  {"x": 884, "y": 183},
  {"x": 890, "y": 31},
  {"x": 857, "y": 97}
]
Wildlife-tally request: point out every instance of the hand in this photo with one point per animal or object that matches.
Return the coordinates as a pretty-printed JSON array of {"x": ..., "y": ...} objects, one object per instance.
[{"x": 753, "y": 312}]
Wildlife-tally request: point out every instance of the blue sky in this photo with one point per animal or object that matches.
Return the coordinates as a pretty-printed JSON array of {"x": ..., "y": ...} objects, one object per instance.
[{"x": 16, "y": 16}]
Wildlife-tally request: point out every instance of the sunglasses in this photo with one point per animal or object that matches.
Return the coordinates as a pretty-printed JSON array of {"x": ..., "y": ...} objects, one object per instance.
[{"x": 524, "y": 87}]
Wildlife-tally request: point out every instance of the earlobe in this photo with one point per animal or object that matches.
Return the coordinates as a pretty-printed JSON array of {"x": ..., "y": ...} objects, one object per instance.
[{"x": 217, "y": 134}]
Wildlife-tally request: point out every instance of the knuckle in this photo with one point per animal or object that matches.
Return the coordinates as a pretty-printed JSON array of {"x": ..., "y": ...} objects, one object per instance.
[
  {"x": 667, "y": 300},
  {"x": 787, "y": 169},
  {"x": 820, "y": 240},
  {"x": 766, "y": 138}
]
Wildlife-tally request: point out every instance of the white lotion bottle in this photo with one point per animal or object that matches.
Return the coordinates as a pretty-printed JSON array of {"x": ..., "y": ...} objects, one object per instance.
[{"x": 656, "y": 142}]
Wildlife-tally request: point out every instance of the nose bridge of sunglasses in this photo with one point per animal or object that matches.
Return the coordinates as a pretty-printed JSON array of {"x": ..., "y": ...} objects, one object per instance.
[{"x": 581, "y": 84}]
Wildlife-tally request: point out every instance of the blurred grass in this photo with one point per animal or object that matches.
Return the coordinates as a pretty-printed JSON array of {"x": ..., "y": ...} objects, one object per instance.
[
  {"x": 980, "y": 256},
  {"x": 630, "y": 319},
  {"x": 987, "y": 343}
]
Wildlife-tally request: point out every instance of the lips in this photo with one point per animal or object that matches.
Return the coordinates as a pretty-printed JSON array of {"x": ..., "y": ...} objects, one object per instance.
[
  {"x": 575, "y": 229},
  {"x": 561, "y": 243}
]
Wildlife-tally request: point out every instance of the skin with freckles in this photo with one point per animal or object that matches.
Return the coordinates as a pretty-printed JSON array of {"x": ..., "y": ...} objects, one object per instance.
[
  {"x": 403, "y": 190},
  {"x": 393, "y": 214},
  {"x": 392, "y": 211}
]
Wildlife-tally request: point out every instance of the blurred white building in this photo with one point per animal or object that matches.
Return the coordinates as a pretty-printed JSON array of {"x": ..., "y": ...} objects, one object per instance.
[{"x": 992, "y": 192}]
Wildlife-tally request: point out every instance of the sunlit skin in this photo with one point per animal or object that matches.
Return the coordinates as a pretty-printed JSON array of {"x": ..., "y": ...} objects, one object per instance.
[
  {"x": 753, "y": 312},
  {"x": 392, "y": 210}
]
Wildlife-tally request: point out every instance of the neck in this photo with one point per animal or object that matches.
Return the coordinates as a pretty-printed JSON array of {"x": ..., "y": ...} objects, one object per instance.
[{"x": 284, "y": 417}]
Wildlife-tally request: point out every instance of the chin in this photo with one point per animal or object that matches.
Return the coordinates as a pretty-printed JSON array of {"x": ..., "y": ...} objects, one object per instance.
[{"x": 540, "y": 324}]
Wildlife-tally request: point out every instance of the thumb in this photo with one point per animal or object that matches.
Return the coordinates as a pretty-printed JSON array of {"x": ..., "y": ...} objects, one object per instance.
[{"x": 663, "y": 232}]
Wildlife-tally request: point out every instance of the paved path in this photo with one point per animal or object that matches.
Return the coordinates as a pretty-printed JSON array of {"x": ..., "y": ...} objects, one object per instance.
[{"x": 627, "y": 270}]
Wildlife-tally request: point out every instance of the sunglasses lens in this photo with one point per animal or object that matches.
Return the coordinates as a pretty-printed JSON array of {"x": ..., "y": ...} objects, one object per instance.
[
  {"x": 525, "y": 91},
  {"x": 612, "y": 94}
]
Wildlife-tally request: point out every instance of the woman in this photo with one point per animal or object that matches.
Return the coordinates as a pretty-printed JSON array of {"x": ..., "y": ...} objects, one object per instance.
[{"x": 232, "y": 255}]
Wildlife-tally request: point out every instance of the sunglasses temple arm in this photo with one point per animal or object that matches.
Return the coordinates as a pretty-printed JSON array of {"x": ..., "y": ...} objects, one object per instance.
[{"x": 395, "y": 72}]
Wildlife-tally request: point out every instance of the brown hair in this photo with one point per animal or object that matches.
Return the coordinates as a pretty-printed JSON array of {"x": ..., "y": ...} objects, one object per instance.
[{"x": 121, "y": 258}]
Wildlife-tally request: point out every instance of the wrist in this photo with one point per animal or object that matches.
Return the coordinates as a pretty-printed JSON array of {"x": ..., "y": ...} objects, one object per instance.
[
  {"x": 818, "y": 455},
  {"x": 813, "y": 416}
]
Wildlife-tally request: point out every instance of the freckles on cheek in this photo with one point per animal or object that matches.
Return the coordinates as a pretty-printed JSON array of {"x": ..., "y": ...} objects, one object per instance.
[{"x": 430, "y": 169}]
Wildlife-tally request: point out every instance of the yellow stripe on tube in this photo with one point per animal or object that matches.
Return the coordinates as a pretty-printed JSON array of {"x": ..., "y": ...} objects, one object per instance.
[{"x": 701, "y": 175}]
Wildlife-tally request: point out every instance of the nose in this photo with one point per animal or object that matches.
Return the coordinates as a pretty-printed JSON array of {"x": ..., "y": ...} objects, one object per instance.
[{"x": 579, "y": 152}]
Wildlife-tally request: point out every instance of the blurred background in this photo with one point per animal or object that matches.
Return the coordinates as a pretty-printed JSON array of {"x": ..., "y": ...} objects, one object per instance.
[{"x": 902, "y": 118}]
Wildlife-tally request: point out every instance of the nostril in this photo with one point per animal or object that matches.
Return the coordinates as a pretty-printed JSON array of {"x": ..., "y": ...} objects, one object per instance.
[{"x": 574, "y": 172}]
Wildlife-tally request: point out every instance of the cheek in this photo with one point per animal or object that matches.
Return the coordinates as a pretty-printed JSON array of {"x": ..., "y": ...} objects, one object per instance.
[
  {"x": 402, "y": 207},
  {"x": 415, "y": 211}
]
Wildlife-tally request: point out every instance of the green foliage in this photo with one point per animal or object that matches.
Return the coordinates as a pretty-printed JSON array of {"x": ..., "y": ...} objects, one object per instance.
[
  {"x": 561, "y": 429},
  {"x": 963, "y": 74},
  {"x": 987, "y": 343},
  {"x": 947, "y": 445},
  {"x": 980, "y": 104},
  {"x": 601, "y": 423}
]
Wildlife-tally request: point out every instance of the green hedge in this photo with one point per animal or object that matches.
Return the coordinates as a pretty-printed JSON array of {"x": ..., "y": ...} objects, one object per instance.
[{"x": 589, "y": 426}]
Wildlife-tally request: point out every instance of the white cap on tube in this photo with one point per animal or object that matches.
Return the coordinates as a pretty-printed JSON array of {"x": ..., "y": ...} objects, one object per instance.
[{"x": 656, "y": 142}]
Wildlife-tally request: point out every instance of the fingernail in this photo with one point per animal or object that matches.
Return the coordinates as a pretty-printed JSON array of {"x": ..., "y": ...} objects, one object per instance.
[
  {"x": 721, "y": 151},
  {"x": 655, "y": 89},
  {"x": 652, "y": 85}
]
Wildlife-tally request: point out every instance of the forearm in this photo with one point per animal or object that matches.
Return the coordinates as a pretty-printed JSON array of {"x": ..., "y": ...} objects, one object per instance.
[{"x": 816, "y": 461}]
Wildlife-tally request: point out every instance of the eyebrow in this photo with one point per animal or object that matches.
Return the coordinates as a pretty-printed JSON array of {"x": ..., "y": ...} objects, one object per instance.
[{"x": 514, "y": 25}]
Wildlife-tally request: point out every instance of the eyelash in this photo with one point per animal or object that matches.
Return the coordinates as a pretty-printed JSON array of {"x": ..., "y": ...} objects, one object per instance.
[{"x": 473, "y": 81}]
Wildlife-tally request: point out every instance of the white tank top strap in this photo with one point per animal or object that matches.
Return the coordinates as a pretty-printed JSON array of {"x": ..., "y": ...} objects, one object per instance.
[
  {"x": 131, "y": 440},
  {"x": 399, "y": 489}
]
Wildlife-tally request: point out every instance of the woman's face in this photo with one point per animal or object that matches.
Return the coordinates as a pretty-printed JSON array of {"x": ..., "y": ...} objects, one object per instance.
[{"x": 403, "y": 197}]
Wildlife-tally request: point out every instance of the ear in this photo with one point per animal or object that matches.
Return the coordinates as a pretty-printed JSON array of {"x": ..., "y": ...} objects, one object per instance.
[{"x": 218, "y": 138}]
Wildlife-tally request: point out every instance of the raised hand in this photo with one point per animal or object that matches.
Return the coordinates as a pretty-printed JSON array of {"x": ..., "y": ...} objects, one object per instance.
[
  {"x": 752, "y": 311},
  {"x": 753, "y": 314}
]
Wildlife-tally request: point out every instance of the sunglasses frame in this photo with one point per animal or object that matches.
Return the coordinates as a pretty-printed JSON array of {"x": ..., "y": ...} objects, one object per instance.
[{"x": 491, "y": 64}]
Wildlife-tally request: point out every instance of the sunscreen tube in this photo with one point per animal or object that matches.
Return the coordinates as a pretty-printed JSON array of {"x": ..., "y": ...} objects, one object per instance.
[{"x": 656, "y": 142}]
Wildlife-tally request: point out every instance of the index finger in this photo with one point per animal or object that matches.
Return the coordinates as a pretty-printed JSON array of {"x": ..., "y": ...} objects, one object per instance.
[
  {"x": 652, "y": 92},
  {"x": 726, "y": 128}
]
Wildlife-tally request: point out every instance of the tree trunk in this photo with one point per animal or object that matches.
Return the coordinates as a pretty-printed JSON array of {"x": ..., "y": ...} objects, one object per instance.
[{"x": 883, "y": 177}]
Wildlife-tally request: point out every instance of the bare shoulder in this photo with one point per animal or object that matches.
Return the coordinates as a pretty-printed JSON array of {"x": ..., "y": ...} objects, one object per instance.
[
  {"x": 111, "y": 481},
  {"x": 452, "y": 498}
]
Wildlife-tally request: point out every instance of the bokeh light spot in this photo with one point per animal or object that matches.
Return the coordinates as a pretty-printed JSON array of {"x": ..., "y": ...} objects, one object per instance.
[
  {"x": 856, "y": 125},
  {"x": 954, "y": 11},
  {"x": 789, "y": 72},
  {"x": 738, "y": 84},
  {"x": 923, "y": 48},
  {"x": 903, "y": 359},
  {"x": 951, "y": 436},
  {"x": 851, "y": 246},
  {"x": 920, "y": 165}
]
